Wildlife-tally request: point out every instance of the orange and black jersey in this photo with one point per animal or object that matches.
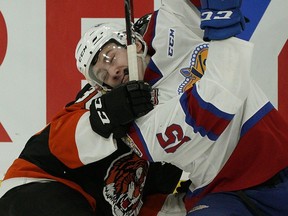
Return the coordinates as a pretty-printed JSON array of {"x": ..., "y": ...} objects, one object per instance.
[{"x": 110, "y": 177}]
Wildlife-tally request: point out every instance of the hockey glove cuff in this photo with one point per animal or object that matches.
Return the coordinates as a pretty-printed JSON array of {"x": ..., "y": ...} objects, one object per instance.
[{"x": 221, "y": 19}]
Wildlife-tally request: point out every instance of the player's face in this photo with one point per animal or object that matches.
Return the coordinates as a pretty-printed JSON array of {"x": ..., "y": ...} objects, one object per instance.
[{"x": 112, "y": 65}]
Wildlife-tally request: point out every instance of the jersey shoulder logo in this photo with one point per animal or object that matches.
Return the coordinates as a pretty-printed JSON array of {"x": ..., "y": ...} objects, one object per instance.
[
  {"x": 196, "y": 69},
  {"x": 125, "y": 182}
]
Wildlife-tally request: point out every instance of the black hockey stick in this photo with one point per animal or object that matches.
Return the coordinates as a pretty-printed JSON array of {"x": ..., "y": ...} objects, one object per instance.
[{"x": 131, "y": 40}]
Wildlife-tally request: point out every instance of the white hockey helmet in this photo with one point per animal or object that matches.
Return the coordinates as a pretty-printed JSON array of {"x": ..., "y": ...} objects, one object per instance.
[{"x": 91, "y": 43}]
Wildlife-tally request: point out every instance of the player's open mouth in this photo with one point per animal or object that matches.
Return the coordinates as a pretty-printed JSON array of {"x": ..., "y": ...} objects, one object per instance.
[
  {"x": 125, "y": 79},
  {"x": 126, "y": 76}
]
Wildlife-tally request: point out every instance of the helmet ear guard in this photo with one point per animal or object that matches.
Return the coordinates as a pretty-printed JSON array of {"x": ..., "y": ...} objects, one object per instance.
[{"x": 91, "y": 43}]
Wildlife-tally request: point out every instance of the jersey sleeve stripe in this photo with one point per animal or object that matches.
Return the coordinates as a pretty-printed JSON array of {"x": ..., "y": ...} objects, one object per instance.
[
  {"x": 256, "y": 118},
  {"x": 136, "y": 135},
  {"x": 203, "y": 116},
  {"x": 152, "y": 74}
]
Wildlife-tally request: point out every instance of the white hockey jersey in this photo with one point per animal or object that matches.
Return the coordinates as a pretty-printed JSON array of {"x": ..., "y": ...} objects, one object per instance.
[{"x": 211, "y": 118}]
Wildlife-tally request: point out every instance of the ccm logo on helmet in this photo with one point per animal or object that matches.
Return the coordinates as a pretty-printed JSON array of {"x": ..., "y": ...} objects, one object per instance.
[{"x": 82, "y": 53}]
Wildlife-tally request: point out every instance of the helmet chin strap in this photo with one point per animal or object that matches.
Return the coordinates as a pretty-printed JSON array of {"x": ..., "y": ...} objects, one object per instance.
[{"x": 106, "y": 87}]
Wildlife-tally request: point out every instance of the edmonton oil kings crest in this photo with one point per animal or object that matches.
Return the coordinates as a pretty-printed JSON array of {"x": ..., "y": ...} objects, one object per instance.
[{"x": 196, "y": 68}]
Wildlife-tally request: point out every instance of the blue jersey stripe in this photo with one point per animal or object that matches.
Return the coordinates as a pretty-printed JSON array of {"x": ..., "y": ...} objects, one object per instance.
[{"x": 256, "y": 118}]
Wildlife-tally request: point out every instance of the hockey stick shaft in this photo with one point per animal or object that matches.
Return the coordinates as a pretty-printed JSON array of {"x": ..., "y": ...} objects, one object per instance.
[{"x": 131, "y": 41}]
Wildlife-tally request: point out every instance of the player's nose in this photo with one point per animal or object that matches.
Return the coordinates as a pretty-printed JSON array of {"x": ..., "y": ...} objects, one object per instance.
[{"x": 114, "y": 71}]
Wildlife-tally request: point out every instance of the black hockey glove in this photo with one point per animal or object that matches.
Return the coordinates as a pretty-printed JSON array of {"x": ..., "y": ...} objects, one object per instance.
[
  {"x": 184, "y": 186},
  {"x": 112, "y": 112}
]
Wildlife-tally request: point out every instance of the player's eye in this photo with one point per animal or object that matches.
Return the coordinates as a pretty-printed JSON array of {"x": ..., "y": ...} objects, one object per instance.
[{"x": 108, "y": 59}]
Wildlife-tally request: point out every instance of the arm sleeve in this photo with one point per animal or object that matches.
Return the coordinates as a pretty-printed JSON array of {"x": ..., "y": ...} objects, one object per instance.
[
  {"x": 173, "y": 31},
  {"x": 185, "y": 11},
  {"x": 72, "y": 139}
]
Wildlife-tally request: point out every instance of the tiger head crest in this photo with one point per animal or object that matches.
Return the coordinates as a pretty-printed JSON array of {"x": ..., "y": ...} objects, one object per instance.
[{"x": 125, "y": 181}]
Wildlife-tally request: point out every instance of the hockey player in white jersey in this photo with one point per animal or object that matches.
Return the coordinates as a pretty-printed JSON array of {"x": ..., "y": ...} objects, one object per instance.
[{"x": 210, "y": 118}]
